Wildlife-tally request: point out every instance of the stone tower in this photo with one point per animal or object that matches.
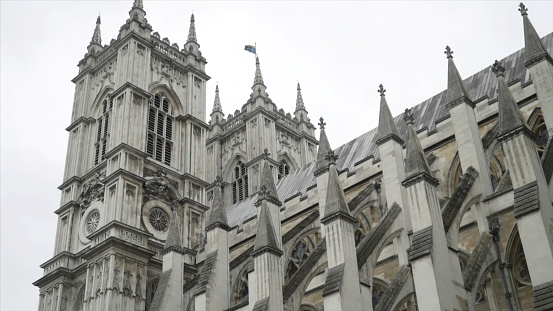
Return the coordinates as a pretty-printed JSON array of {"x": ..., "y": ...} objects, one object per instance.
[
  {"x": 135, "y": 163},
  {"x": 235, "y": 145}
]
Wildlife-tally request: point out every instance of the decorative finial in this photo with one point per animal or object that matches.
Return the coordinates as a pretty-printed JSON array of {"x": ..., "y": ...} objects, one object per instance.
[
  {"x": 266, "y": 154},
  {"x": 322, "y": 123},
  {"x": 331, "y": 157},
  {"x": 299, "y": 89},
  {"x": 192, "y": 30},
  {"x": 448, "y": 52},
  {"x": 498, "y": 69},
  {"x": 217, "y": 88},
  {"x": 522, "y": 9},
  {"x": 98, "y": 21},
  {"x": 408, "y": 116},
  {"x": 381, "y": 90}
]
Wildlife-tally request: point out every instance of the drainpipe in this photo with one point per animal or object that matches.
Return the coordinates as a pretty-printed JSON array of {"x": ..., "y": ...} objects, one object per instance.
[{"x": 494, "y": 231}]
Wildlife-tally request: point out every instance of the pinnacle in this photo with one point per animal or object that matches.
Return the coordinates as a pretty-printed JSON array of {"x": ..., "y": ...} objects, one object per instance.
[
  {"x": 258, "y": 77},
  {"x": 534, "y": 48},
  {"x": 173, "y": 236},
  {"x": 192, "y": 30},
  {"x": 217, "y": 102},
  {"x": 267, "y": 186},
  {"x": 266, "y": 236},
  {"x": 335, "y": 197},
  {"x": 510, "y": 116},
  {"x": 324, "y": 149},
  {"x": 415, "y": 159},
  {"x": 456, "y": 90},
  {"x": 299, "y": 100},
  {"x": 218, "y": 214},
  {"x": 97, "y": 36},
  {"x": 386, "y": 125}
]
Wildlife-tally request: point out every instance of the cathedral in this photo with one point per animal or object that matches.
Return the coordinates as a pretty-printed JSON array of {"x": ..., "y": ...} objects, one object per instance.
[{"x": 447, "y": 206}]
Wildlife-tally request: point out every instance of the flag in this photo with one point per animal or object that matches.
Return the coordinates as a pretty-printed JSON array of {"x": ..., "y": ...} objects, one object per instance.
[{"x": 250, "y": 48}]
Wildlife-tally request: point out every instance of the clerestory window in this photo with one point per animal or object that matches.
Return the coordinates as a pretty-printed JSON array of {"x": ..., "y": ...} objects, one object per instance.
[
  {"x": 159, "y": 144},
  {"x": 240, "y": 183},
  {"x": 102, "y": 131}
]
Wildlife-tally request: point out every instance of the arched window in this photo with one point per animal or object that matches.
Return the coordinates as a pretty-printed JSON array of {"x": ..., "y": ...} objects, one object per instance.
[
  {"x": 378, "y": 292},
  {"x": 540, "y": 130},
  {"x": 518, "y": 259},
  {"x": 283, "y": 169},
  {"x": 299, "y": 255},
  {"x": 159, "y": 143},
  {"x": 241, "y": 290},
  {"x": 102, "y": 131},
  {"x": 240, "y": 183}
]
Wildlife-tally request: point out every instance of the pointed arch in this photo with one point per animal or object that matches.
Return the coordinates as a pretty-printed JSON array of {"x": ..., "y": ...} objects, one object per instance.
[
  {"x": 301, "y": 248},
  {"x": 537, "y": 124},
  {"x": 96, "y": 107},
  {"x": 285, "y": 156},
  {"x": 240, "y": 289},
  {"x": 178, "y": 107},
  {"x": 379, "y": 287},
  {"x": 79, "y": 298}
]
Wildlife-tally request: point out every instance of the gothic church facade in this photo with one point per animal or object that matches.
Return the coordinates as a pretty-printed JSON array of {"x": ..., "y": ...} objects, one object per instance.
[{"x": 445, "y": 207}]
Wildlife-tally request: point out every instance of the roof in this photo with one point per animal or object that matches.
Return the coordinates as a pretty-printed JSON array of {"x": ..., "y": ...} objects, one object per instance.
[{"x": 431, "y": 111}]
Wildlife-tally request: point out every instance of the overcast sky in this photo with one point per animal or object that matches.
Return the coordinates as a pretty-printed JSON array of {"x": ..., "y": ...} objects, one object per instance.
[{"x": 339, "y": 51}]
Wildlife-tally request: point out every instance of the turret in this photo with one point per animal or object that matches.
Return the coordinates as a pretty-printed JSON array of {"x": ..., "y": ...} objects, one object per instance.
[
  {"x": 300, "y": 113},
  {"x": 217, "y": 114},
  {"x": 191, "y": 45},
  {"x": 321, "y": 171}
]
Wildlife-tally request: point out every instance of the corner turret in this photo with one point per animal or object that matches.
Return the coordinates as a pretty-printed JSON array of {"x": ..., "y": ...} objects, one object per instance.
[{"x": 95, "y": 45}]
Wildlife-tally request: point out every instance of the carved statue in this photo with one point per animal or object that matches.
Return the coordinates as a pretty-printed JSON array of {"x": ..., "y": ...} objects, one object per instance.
[
  {"x": 159, "y": 186},
  {"x": 93, "y": 190}
]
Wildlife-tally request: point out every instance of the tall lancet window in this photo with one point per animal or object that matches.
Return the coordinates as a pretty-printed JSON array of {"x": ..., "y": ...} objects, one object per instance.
[
  {"x": 542, "y": 135},
  {"x": 283, "y": 169},
  {"x": 159, "y": 144},
  {"x": 102, "y": 131},
  {"x": 240, "y": 183}
]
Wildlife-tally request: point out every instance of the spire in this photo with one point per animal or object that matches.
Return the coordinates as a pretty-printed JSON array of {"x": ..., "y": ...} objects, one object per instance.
[
  {"x": 456, "y": 92},
  {"x": 138, "y": 4},
  {"x": 415, "y": 159},
  {"x": 510, "y": 116},
  {"x": 173, "y": 236},
  {"x": 386, "y": 126},
  {"x": 267, "y": 186},
  {"x": 137, "y": 10},
  {"x": 534, "y": 50},
  {"x": 299, "y": 100},
  {"x": 258, "y": 78},
  {"x": 335, "y": 197},
  {"x": 217, "y": 103},
  {"x": 192, "y": 30},
  {"x": 265, "y": 239},
  {"x": 324, "y": 148},
  {"x": 218, "y": 216},
  {"x": 97, "y": 36}
]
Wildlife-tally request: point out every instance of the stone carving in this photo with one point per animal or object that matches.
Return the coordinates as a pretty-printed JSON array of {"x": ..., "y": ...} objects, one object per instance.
[
  {"x": 93, "y": 190},
  {"x": 138, "y": 288},
  {"x": 127, "y": 291},
  {"x": 116, "y": 272},
  {"x": 159, "y": 186}
]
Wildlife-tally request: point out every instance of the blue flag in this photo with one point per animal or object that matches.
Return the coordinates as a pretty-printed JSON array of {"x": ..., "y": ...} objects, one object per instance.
[{"x": 250, "y": 48}]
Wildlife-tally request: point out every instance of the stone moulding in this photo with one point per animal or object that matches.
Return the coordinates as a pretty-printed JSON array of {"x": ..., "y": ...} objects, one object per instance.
[
  {"x": 422, "y": 244},
  {"x": 526, "y": 199},
  {"x": 333, "y": 281},
  {"x": 543, "y": 297}
]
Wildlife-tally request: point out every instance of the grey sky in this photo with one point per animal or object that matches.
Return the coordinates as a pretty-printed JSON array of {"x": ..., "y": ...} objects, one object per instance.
[{"x": 339, "y": 51}]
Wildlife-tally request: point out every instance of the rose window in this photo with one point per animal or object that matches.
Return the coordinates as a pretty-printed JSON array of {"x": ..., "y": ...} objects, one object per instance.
[
  {"x": 158, "y": 219},
  {"x": 92, "y": 222}
]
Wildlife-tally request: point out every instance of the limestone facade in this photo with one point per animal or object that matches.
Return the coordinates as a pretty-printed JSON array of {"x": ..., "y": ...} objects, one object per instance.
[{"x": 445, "y": 207}]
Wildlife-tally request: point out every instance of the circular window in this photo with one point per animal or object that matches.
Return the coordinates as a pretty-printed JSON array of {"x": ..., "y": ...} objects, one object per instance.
[
  {"x": 92, "y": 222},
  {"x": 158, "y": 219}
]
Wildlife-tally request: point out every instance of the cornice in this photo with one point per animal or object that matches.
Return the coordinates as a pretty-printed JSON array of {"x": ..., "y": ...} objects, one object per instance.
[
  {"x": 128, "y": 85},
  {"x": 538, "y": 59},
  {"x": 461, "y": 100},
  {"x": 389, "y": 137},
  {"x": 418, "y": 177},
  {"x": 71, "y": 180},
  {"x": 520, "y": 130},
  {"x": 189, "y": 117},
  {"x": 122, "y": 172},
  {"x": 77, "y": 122},
  {"x": 66, "y": 206},
  {"x": 123, "y": 146},
  {"x": 337, "y": 215},
  {"x": 267, "y": 249}
]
